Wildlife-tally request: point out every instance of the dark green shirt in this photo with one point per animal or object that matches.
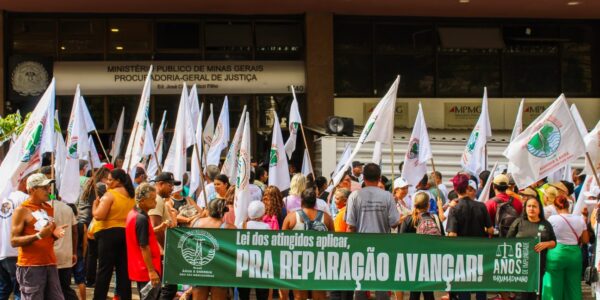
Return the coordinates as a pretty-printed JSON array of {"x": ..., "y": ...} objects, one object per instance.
[{"x": 523, "y": 228}]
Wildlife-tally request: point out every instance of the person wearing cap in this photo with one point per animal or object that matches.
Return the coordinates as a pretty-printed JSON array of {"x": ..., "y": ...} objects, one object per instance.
[
  {"x": 551, "y": 193},
  {"x": 33, "y": 233},
  {"x": 357, "y": 171},
  {"x": 140, "y": 176},
  {"x": 468, "y": 218},
  {"x": 110, "y": 213},
  {"x": 8, "y": 254},
  {"x": 531, "y": 224},
  {"x": 500, "y": 185},
  {"x": 161, "y": 213},
  {"x": 403, "y": 200},
  {"x": 256, "y": 211},
  {"x": 143, "y": 251}
]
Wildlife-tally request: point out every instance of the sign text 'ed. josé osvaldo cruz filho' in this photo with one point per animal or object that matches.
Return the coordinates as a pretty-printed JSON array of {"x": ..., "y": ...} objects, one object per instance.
[{"x": 326, "y": 261}]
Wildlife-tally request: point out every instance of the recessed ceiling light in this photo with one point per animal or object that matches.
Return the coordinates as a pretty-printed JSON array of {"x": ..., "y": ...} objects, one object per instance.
[
  {"x": 114, "y": 29},
  {"x": 573, "y": 3},
  {"x": 63, "y": 48},
  {"x": 119, "y": 47},
  {"x": 463, "y": 1}
]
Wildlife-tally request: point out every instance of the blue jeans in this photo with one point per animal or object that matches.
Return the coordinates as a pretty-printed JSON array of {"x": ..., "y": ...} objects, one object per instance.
[{"x": 8, "y": 278}]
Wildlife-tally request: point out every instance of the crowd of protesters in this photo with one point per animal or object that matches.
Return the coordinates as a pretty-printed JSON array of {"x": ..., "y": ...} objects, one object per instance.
[{"x": 117, "y": 227}]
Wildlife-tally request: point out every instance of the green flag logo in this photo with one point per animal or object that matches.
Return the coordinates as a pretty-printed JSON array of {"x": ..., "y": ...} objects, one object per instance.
[
  {"x": 273, "y": 156},
  {"x": 72, "y": 150},
  {"x": 34, "y": 143},
  {"x": 545, "y": 142},
  {"x": 472, "y": 141},
  {"x": 198, "y": 248},
  {"x": 294, "y": 128},
  {"x": 413, "y": 150},
  {"x": 242, "y": 173}
]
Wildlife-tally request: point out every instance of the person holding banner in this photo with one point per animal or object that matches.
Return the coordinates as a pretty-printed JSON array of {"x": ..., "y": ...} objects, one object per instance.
[
  {"x": 468, "y": 218},
  {"x": 563, "y": 263},
  {"x": 531, "y": 224},
  {"x": 216, "y": 210},
  {"x": 308, "y": 217},
  {"x": 143, "y": 252},
  {"x": 110, "y": 213}
]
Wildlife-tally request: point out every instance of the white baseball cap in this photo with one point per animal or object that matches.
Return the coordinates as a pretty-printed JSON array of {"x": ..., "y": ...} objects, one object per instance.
[
  {"x": 400, "y": 183},
  {"x": 473, "y": 184}
]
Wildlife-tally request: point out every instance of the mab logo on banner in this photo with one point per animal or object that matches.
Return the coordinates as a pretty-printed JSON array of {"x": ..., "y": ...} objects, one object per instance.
[
  {"x": 511, "y": 263},
  {"x": 198, "y": 248}
]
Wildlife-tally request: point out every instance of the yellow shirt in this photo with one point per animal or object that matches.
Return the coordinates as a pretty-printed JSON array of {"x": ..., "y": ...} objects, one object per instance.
[
  {"x": 339, "y": 224},
  {"x": 117, "y": 213}
]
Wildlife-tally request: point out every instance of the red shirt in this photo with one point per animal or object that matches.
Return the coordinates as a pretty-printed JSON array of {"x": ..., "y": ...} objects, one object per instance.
[
  {"x": 492, "y": 204},
  {"x": 139, "y": 233}
]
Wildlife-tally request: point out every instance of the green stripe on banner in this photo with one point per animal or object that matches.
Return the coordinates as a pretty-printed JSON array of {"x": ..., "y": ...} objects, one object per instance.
[{"x": 345, "y": 261}]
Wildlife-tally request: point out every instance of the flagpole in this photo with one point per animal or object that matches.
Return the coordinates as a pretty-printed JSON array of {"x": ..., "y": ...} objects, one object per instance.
[
  {"x": 393, "y": 166},
  {"x": 102, "y": 146},
  {"x": 93, "y": 172},
  {"x": 308, "y": 152},
  {"x": 201, "y": 173},
  {"x": 157, "y": 163},
  {"x": 594, "y": 173},
  {"x": 52, "y": 172},
  {"x": 137, "y": 124}
]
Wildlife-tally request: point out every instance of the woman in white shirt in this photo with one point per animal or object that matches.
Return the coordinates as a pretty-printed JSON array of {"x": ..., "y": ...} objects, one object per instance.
[{"x": 562, "y": 279}]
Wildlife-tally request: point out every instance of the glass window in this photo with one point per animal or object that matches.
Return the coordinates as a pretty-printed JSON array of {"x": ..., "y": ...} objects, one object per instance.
[
  {"x": 129, "y": 36},
  {"x": 81, "y": 37},
  {"x": 170, "y": 103},
  {"x": 352, "y": 37},
  {"x": 577, "y": 68},
  {"x": 353, "y": 74},
  {"x": 177, "y": 35},
  {"x": 34, "y": 36},
  {"x": 464, "y": 72},
  {"x": 531, "y": 70},
  {"x": 278, "y": 41},
  {"x": 228, "y": 36},
  {"x": 95, "y": 105},
  {"x": 403, "y": 38},
  {"x": 64, "y": 105},
  {"x": 416, "y": 74}
]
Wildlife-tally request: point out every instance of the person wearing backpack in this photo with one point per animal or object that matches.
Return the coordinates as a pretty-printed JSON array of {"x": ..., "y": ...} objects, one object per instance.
[
  {"x": 422, "y": 222},
  {"x": 308, "y": 217},
  {"x": 503, "y": 209}
]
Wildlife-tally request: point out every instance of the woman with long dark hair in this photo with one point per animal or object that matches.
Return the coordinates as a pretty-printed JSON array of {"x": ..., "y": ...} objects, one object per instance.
[
  {"x": 531, "y": 224},
  {"x": 110, "y": 213}
]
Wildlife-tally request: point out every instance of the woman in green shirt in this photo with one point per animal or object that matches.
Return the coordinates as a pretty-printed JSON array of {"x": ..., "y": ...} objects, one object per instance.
[{"x": 531, "y": 224}]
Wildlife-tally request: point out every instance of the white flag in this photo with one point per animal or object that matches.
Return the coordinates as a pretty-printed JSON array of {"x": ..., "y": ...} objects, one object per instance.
[
  {"x": 149, "y": 146},
  {"x": 87, "y": 118},
  {"x": 474, "y": 157},
  {"x": 376, "y": 158},
  {"x": 306, "y": 166},
  {"x": 97, "y": 163},
  {"x": 116, "y": 146},
  {"x": 485, "y": 192},
  {"x": 418, "y": 152},
  {"x": 183, "y": 138},
  {"x": 379, "y": 127},
  {"x": 589, "y": 184},
  {"x": 295, "y": 121},
  {"x": 197, "y": 153},
  {"x": 221, "y": 137},
  {"x": 518, "y": 122},
  {"x": 60, "y": 155},
  {"x": 209, "y": 128},
  {"x": 78, "y": 147},
  {"x": 230, "y": 164},
  {"x": 133, "y": 153},
  {"x": 242, "y": 199},
  {"x": 592, "y": 146},
  {"x": 279, "y": 174},
  {"x": 343, "y": 159},
  {"x": 578, "y": 120},
  {"x": 194, "y": 105},
  {"x": 549, "y": 143},
  {"x": 25, "y": 155},
  {"x": 159, "y": 141}
]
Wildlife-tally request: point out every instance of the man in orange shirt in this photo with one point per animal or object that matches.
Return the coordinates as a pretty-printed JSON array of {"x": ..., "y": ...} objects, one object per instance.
[
  {"x": 34, "y": 233},
  {"x": 341, "y": 197}
]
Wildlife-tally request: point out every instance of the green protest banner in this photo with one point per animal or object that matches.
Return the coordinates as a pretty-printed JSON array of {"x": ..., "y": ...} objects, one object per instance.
[{"x": 345, "y": 261}]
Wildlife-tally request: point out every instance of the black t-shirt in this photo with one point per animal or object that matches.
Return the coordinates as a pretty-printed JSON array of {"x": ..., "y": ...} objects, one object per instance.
[
  {"x": 469, "y": 218},
  {"x": 141, "y": 227}
]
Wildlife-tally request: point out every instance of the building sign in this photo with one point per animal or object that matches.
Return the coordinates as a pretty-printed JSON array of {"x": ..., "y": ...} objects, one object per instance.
[
  {"x": 296, "y": 260},
  {"x": 28, "y": 77},
  {"x": 211, "y": 77},
  {"x": 533, "y": 110},
  {"x": 400, "y": 117},
  {"x": 461, "y": 114}
]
